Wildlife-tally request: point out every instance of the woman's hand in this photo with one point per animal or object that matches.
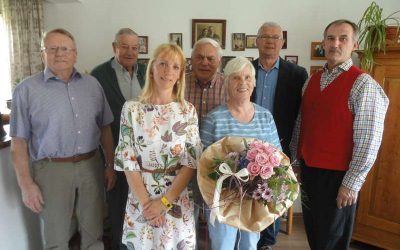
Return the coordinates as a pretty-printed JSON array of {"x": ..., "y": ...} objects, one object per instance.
[
  {"x": 153, "y": 209},
  {"x": 159, "y": 221}
]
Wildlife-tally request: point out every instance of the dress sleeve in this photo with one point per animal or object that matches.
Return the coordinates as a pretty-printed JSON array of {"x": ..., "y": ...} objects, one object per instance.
[
  {"x": 126, "y": 157},
  {"x": 193, "y": 146}
]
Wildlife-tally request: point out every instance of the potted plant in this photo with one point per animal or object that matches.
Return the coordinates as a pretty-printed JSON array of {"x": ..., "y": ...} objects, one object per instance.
[{"x": 373, "y": 30}]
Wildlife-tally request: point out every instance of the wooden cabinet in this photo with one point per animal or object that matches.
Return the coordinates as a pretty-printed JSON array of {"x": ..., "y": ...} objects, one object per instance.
[{"x": 378, "y": 213}]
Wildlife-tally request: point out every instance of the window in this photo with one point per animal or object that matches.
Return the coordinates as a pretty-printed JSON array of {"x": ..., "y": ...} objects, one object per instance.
[{"x": 5, "y": 73}]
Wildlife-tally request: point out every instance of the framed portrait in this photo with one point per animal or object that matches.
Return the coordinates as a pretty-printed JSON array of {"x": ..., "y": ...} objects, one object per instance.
[
  {"x": 251, "y": 41},
  {"x": 317, "y": 52},
  {"x": 211, "y": 28},
  {"x": 176, "y": 38},
  {"x": 238, "y": 41},
  {"x": 292, "y": 59},
  {"x": 188, "y": 67},
  {"x": 224, "y": 61},
  {"x": 314, "y": 69},
  {"x": 250, "y": 58},
  {"x": 144, "y": 61},
  {"x": 284, "y": 39},
  {"x": 143, "y": 44}
]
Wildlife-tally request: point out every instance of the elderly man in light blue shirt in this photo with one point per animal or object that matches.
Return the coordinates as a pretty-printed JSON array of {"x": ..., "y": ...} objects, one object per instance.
[{"x": 59, "y": 117}]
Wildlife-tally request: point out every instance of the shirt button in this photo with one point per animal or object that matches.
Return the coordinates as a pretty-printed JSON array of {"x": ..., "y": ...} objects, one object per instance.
[
  {"x": 204, "y": 90},
  {"x": 204, "y": 102},
  {"x": 79, "y": 147},
  {"x": 76, "y": 115},
  {"x": 72, "y": 98},
  {"x": 79, "y": 132}
]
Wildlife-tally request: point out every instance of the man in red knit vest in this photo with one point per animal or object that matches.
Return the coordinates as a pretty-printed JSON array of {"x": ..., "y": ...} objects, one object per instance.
[{"x": 336, "y": 139}]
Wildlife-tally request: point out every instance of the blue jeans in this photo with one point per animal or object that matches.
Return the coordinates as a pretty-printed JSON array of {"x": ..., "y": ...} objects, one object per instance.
[
  {"x": 224, "y": 237},
  {"x": 268, "y": 235}
]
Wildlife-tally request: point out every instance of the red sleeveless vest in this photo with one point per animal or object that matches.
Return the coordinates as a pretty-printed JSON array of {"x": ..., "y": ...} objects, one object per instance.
[{"x": 326, "y": 134}]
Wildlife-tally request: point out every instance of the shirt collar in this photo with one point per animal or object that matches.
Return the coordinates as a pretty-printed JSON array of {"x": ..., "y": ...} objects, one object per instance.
[
  {"x": 344, "y": 66},
  {"x": 48, "y": 74},
  {"x": 276, "y": 65},
  {"x": 116, "y": 65}
]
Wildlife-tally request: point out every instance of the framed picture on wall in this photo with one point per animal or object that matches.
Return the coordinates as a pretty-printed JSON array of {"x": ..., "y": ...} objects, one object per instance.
[
  {"x": 176, "y": 38},
  {"x": 238, "y": 41},
  {"x": 188, "y": 65},
  {"x": 251, "y": 42},
  {"x": 144, "y": 61},
  {"x": 284, "y": 39},
  {"x": 224, "y": 61},
  {"x": 292, "y": 59},
  {"x": 317, "y": 52},
  {"x": 143, "y": 44},
  {"x": 211, "y": 28},
  {"x": 250, "y": 58},
  {"x": 314, "y": 69}
]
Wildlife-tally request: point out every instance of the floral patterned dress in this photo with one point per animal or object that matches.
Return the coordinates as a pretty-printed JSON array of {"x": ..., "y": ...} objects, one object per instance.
[{"x": 156, "y": 138}]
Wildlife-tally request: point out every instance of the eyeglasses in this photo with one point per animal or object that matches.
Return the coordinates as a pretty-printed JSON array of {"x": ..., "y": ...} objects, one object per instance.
[
  {"x": 273, "y": 38},
  {"x": 53, "y": 50},
  {"x": 127, "y": 47}
]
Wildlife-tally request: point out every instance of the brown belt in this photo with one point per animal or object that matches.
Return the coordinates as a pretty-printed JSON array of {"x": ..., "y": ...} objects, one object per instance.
[
  {"x": 75, "y": 158},
  {"x": 159, "y": 171}
]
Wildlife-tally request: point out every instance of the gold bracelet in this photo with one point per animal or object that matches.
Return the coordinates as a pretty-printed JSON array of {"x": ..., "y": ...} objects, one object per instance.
[{"x": 166, "y": 203}]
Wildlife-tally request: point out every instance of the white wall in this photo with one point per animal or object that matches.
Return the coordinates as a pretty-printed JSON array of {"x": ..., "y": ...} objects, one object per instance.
[
  {"x": 19, "y": 227},
  {"x": 94, "y": 22}
]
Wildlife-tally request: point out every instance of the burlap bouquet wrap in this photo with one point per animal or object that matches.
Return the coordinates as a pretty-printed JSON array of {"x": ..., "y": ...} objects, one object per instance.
[{"x": 244, "y": 213}]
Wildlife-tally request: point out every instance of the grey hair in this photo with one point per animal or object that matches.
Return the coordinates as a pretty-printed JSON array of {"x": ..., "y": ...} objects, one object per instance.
[
  {"x": 269, "y": 24},
  {"x": 236, "y": 65},
  {"x": 124, "y": 31},
  {"x": 342, "y": 21},
  {"x": 57, "y": 31},
  {"x": 205, "y": 40}
]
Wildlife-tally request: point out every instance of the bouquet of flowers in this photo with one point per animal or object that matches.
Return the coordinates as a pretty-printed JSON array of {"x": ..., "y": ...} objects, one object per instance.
[{"x": 246, "y": 182}]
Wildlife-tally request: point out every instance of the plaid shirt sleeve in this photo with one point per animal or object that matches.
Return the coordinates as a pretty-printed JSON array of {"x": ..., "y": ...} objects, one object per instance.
[{"x": 369, "y": 104}]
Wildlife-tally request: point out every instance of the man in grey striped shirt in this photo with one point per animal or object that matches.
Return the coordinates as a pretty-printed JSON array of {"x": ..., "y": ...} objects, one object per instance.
[{"x": 58, "y": 119}]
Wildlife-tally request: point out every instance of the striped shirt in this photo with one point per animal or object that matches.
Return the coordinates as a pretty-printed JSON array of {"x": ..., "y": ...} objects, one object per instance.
[
  {"x": 368, "y": 103},
  {"x": 205, "y": 98},
  {"x": 220, "y": 123}
]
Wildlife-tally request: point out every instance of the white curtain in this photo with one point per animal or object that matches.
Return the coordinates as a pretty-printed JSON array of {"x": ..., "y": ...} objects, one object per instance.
[{"x": 24, "y": 22}]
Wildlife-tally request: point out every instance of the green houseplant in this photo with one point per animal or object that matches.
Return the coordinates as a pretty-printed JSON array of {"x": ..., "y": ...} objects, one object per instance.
[{"x": 373, "y": 27}]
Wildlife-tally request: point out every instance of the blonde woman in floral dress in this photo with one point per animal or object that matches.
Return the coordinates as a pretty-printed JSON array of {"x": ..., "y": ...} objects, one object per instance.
[{"x": 158, "y": 147}]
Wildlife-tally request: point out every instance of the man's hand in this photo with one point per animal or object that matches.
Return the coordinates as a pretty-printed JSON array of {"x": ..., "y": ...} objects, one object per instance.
[
  {"x": 346, "y": 197},
  {"x": 32, "y": 197},
  {"x": 109, "y": 178}
]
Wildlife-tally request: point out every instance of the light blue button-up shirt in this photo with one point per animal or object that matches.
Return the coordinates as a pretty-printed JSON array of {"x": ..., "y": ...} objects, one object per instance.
[
  {"x": 266, "y": 86},
  {"x": 58, "y": 118}
]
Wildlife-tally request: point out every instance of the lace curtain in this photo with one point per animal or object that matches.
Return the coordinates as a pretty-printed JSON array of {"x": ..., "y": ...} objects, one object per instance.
[{"x": 24, "y": 22}]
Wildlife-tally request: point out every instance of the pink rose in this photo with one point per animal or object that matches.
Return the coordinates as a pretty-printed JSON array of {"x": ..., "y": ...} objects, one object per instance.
[
  {"x": 261, "y": 159},
  {"x": 266, "y": 172},
  {"x": 267, "y": 148},
  {"x": 255, "y": 144},
  {"x": 253, "y": 168},
  {"x": 275, "y": 159},
  {"x": 251, "y": 154}
]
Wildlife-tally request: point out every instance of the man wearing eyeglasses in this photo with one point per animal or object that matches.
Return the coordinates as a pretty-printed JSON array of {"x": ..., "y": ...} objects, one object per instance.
[
  {"x": 278, "y": 89},
  {"x": 58, "y": 119},
  {"x": 122, "y": 78}
]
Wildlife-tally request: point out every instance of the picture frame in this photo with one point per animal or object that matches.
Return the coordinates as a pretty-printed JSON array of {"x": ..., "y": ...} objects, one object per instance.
[
  {"x": 285, "y": 41},
  {"x": 251, "y": 41},
  {"x": 224, "y": 61},
  {"x": 188, "y": 67},
  {"x": 238, "y": 41},
  {"x": 250, "y": 58},
  {"x": 144, "y": 61},
  {"x": 176, "y": 38},
  {"x": 211, "y": 28},
  {"x": 315, "y": 68},
  {"x": 292, "y": 59},
  {"x": 317, "y": 52},
  {"x": 143, "y": 44}
]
